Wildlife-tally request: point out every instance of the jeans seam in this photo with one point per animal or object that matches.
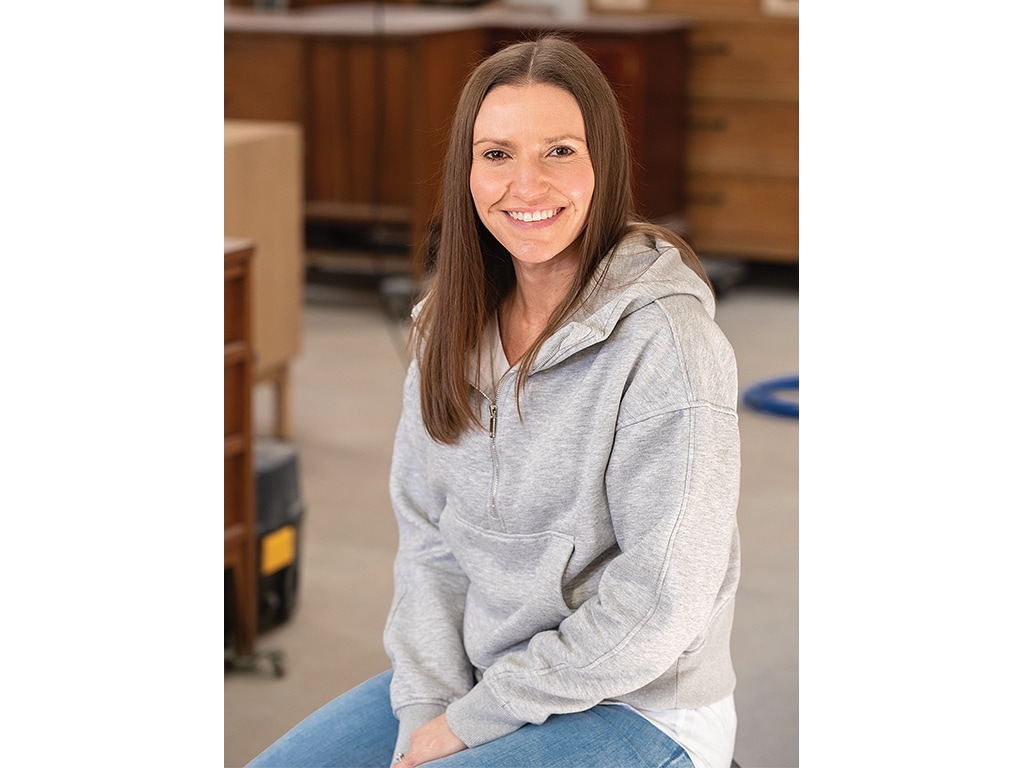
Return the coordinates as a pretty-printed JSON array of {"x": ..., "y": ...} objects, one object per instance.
[{"x": 667, "y": 761}]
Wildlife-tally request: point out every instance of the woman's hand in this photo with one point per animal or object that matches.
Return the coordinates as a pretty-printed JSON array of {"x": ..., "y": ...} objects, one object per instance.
[{"x": 431, "y": 741}]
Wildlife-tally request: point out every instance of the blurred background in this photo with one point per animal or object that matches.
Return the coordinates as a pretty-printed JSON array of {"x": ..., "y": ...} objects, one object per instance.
[{"x": 335, "y": 120}]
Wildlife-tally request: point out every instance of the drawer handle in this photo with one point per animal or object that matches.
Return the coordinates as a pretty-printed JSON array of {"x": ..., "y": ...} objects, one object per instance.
[
  {"x": 718, "y": 123},
  {"x": 714, "y": 48},
  {"x": 707, "y": 198}
]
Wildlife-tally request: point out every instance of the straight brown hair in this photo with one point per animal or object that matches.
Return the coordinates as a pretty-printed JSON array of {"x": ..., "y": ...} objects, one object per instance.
[{"x": 473, "y": 272}]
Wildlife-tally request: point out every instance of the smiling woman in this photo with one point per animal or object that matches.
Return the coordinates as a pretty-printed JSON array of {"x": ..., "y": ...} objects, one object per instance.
[
  {"x": 566, "y": 468},
  {"x": 532, "y": 180},
  {"x": 476, "y": 275},
  {"x": 532, "y": 183}
]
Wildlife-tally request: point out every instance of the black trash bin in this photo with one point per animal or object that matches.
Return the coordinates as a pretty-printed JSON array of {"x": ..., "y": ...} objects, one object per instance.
[{"x": 279, "y": 517}]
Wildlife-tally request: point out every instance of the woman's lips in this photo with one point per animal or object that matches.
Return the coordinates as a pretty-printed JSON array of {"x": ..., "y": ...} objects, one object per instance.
[{"x": 531, "y": 217}]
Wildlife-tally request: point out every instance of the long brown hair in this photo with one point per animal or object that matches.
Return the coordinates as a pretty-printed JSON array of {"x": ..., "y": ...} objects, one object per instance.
[{"x": 473, "y": 272}]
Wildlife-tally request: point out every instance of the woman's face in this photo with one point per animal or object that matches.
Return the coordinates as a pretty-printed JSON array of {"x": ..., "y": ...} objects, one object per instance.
[{"x": 531, "y": 178}]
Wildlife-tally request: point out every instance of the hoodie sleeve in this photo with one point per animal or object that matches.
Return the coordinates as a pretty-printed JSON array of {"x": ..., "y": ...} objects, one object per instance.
[
  {"x": 672, "y": 483},
  {"x": 423, "y": 631}
]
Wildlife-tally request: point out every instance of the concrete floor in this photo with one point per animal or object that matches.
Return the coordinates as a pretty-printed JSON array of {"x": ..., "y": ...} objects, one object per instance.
[{"x": 347, "y": 392}]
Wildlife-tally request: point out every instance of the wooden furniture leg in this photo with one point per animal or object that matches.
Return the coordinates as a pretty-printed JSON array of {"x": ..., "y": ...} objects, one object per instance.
[
  {"x": 280, "y": 379},
  {"x": 243, "y": 593}
]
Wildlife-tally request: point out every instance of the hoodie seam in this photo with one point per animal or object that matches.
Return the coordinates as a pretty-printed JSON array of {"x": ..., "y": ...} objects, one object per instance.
[
  {"x": 444, "y": 703},
  {"x": 725, "y": 410}
]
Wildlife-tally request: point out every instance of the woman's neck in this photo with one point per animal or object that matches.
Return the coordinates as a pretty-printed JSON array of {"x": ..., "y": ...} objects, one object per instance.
[{"x": 526, "y": 311}]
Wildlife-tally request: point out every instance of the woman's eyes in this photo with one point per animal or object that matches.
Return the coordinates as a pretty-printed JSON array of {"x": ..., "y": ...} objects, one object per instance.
[{"x": 500, "y": 154}]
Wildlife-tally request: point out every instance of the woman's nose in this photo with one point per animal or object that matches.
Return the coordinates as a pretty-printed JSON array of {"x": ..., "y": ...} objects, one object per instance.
[{"x": 530, "y": 178}]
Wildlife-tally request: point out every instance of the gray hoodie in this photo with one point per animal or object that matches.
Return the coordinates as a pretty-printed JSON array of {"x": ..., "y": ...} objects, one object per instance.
[{"x": 588, "y": 551}]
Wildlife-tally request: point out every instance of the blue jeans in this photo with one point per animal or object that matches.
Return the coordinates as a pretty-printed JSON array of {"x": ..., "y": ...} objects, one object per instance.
[{"x": 358, "y": 730}]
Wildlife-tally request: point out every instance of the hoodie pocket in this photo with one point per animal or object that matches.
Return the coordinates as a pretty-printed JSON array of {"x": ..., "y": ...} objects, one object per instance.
[{"x": 515, "y": 585}]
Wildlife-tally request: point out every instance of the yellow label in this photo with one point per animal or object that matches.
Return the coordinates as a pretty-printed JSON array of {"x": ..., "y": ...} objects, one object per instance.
[{"x": 278, "y": 550}]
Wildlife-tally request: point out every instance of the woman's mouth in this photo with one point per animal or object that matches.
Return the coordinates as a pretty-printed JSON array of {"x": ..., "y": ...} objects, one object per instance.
[{"x": 529, "y": 217}]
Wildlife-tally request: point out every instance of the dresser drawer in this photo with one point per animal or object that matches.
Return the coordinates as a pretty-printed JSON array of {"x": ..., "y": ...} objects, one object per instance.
[
  {"x": 236, "y": 387},
  {"x": 757, "y": 217},
  {"x": 237, "y": 478},
  {"x": 740, "y": 60},
  {"x": 235, "y": 307},
  {"x": 745, "y": 137}
]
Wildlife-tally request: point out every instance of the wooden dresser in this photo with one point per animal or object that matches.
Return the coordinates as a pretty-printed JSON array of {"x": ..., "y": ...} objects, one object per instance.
[
  {"x": 742, "y": 150},
  {"x": 239, "y": 490}
]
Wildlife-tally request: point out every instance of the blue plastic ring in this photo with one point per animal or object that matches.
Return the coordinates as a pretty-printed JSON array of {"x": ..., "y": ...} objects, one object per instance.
[{"x": 762, "y": 397}]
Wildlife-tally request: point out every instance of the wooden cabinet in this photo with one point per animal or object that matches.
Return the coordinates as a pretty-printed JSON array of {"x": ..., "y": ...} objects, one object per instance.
[
  {"x": 374, "y": 89},
  {"x": 377, "y": 123},
  {"x": 239, "y": 491},
  {"x": 742, "y": 151},
  {"x": 374, "y": 111}
]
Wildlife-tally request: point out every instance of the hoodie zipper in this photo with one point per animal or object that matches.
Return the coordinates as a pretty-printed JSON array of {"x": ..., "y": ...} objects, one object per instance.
[
  {"x": 494, "y": 458},
  {"x": 492, "y": 409}
]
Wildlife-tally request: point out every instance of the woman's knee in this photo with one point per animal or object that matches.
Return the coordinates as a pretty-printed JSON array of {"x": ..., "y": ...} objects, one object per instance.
[{"x": 355, "y": 728}]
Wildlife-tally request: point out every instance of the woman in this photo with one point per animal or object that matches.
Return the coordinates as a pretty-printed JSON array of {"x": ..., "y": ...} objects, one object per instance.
[{"x": 566, "y": 469}]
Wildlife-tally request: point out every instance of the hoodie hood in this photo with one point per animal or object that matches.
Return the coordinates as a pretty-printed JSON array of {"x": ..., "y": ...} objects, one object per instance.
[{"x": 638, "y": 271}]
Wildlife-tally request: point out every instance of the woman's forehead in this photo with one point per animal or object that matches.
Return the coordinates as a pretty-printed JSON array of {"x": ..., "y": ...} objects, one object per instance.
[{"x": 535, "y": 108}]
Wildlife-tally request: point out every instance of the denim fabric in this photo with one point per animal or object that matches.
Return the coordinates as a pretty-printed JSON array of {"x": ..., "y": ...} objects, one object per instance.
[{"x": 358, "y": 730}]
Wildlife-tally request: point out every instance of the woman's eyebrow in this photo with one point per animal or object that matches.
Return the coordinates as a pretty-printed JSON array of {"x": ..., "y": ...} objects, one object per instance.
[{"x": 553, "y": 140}]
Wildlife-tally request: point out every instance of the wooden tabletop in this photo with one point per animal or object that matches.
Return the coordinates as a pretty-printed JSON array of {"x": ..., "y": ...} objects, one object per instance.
[{"x": 360, "y": 19}]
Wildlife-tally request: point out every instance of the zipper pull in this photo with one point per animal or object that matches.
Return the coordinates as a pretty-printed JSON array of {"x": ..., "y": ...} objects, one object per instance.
[{"x": 494, "y": 418}]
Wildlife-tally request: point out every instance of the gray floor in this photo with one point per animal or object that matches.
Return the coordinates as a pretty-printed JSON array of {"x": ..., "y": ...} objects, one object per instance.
[{"x": 347, "y": 387}]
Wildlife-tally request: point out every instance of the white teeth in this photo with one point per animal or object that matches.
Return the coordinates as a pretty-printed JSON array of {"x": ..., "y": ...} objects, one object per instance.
[{"x": 534, "y": 216}]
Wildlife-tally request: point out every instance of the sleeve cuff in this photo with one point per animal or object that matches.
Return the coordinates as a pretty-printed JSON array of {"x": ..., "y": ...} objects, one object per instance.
[
  {"x": 480, "y": 716},
  {"x": 412, "y": 717}
]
